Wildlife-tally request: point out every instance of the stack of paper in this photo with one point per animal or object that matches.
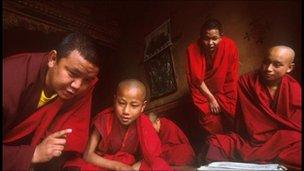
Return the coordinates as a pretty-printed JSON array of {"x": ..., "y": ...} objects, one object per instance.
[{"x": 241, "y": 166}]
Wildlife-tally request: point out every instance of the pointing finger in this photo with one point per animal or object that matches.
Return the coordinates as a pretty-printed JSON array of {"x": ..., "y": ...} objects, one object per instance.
[{"x": 61, "y": 133}]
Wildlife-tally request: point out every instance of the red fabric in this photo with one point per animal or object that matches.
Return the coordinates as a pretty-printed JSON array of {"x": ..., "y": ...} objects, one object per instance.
[
  {"x": 176, "y": 149},
  {"x": 221, "y": 80},
  {"x": 150, "y": 146},
  {"x": 272, "y": 126},
  {"x": 113, "y": 139},
  {"x": 122, "y": 147},
  {"x": 77, "y": 118},
  {"x": 24, "y": 76},
  {"x": 23, "y": 80},
  {"x": 22, "y": 86}
]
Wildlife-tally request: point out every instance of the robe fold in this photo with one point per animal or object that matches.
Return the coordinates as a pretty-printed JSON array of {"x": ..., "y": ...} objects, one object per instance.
[
  {"x": 268, "y": 129},
  {"x": 176, "y": 149},
  {"x": 25, "y": 126},
  {"x": 221, "y": 79},
  {"x": 123, "y": 147}
]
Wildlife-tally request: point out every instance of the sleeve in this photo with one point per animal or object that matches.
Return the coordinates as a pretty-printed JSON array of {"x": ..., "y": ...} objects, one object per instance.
[
  {"x": 17, "y": 157},
  {"x": 19, "y": 72},
  {"x": 195, "y": 67},
  {"x": 14, "y": 157},
  {"x": 229, "y": 95},
  {"x": 232, "y": 74},
  {"x": 15, "y": 80},
  {"x": 296, "y": 105}
]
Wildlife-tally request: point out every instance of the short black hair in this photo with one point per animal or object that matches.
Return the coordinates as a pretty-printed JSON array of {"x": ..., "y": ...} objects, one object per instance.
[
  {"x": 211, "y": 24},
  {"x": 83, "y": 44}
]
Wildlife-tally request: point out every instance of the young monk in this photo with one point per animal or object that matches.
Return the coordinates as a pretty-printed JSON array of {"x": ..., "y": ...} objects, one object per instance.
[
  {"x": 121, "y": 132},
  {"x": 176, "y": 149},
  {"x": 269, "y": 117},
  {"x": 212, "y": 77}
]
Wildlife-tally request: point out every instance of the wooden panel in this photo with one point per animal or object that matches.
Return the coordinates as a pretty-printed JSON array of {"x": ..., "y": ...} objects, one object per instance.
[{"x": 50, "y": 17}]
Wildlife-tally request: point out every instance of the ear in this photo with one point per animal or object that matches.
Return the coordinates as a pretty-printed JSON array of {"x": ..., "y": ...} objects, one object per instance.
[
  {"x": 291, "y": 66},
  {"x": 52, "y": 58},
  {"x": 144, "y": 106}
]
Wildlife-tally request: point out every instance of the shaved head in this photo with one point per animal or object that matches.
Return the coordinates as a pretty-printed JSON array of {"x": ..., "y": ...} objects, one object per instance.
[
  {"x": 277, "y": 63},
  {"x": 129, "y": 101},
  {"x": 283, "y": 51},
  {"x": 132, "y": 84}
]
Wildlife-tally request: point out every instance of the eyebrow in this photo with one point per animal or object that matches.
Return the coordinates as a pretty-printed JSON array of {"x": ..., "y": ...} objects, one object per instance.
[
  {"x": 211, "y": 37},
  {"x": 132, "y": 102},
  {"x": 275, "y": 61},
  {"x": 75, "y": 70},
  {"x": 80, "y": 73},
  {"x": 135, "y": 102}
]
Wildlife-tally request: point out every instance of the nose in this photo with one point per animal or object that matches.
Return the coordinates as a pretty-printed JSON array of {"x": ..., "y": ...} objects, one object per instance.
[
  {"x": 126, "y": 110},
  {"x": 76, "y": 84},
  {"x": 211, "y": 42},
  {"x": 269, "y": 67}
]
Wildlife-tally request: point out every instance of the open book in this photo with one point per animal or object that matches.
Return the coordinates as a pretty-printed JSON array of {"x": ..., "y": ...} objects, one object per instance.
[{"x": 241, "y": 166}]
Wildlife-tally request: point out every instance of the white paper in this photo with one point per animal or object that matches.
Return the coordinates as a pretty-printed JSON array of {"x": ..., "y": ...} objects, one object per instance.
[{"x": 241, "y": 166}]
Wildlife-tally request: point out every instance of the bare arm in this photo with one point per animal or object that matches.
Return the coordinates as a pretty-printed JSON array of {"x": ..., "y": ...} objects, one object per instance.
[
  {"x": 91, "y": 157},
  {"x": 214, "y": 106}
]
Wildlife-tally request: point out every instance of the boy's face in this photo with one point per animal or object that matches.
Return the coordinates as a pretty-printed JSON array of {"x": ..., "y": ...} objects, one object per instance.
[
  {"x": 129, "y": 103},
  {"x": 211, "y": 39},
  {"x": 276, "y": 64}
]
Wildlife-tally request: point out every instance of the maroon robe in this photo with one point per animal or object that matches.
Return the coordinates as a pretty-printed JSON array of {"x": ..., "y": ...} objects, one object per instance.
[
  {"x": 123, "y": 147},
  {"x": 220, "y": 78},
  {"x": 25, "y": 126},
  {"x": 269, "y": 128},
  {"x": 176, "y": 149}
]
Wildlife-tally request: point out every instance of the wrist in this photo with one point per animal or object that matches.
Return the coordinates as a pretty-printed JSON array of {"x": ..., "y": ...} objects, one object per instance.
[{"x": 210, "y": 97}]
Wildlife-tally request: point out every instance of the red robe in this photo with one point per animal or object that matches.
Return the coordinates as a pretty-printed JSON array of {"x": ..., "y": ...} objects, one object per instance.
[
  {"x": 220, "y": 78},
  {"x": 176, "y": 149},
  {"x": 123, "y": 148},
  {"x": 269, "y": 129},
  {"x": 25, "y": 126}
]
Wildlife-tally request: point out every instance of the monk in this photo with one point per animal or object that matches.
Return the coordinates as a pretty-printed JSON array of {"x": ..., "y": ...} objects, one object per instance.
[
  {"x": 212, "y": 77},
  {"x": 268, "y": 117},
  {"x": 176, "y": 149},
  {"x": 121, "y": 134},
  {"x": 47, "y": 104}
]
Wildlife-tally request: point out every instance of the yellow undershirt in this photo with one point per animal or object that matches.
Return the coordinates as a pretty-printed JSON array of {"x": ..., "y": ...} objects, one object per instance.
[{"x": 43, "y": 99}]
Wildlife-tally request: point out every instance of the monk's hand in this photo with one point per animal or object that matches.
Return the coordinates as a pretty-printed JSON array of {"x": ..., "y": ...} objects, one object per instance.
[
  {"x": 136, "y": 166},
  {"x": 214, "y": 105},
  {"x": 121, "y": 166},
  {"x": 51, "y": 146}
]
